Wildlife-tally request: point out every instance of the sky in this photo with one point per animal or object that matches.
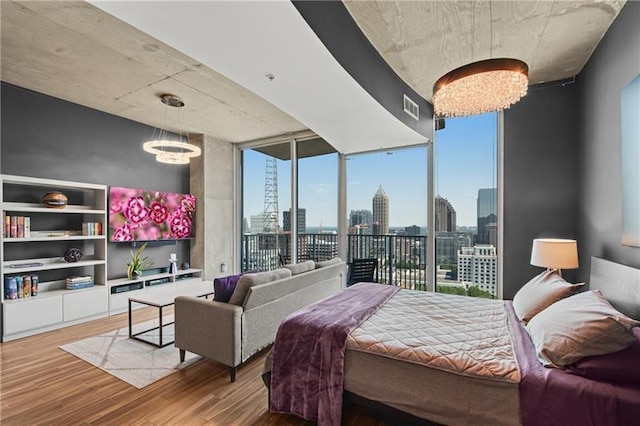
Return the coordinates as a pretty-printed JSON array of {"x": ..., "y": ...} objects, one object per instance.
[{"x": 465, "y": 161}]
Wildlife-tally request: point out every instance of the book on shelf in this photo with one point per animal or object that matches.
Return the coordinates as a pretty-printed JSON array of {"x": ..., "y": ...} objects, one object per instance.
[
  {"x": 25, "y": 265},
  {"x": 91, "y": 228},
  {"x": 26, "y": 286},
  {"x": 35, "y": 282},
  {"x": 79, "y": 279},
  {"x": 20, "y": 230},
  {"x": 16, "y": 227},
  {"x": 10, "y": 288},
  {"x": 77, "y": 286},
  {"x": 19, "y": 286},
  {"x": 58, "y": 233},
  {"x": 6, "y": 227}
]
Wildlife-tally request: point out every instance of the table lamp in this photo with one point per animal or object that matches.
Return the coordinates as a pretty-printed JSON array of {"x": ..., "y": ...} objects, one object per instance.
[{"x": 554, "y": 254}]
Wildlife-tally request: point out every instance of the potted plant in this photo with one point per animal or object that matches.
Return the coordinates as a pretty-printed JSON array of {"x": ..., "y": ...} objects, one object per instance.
[{"x": 138, "y": 263}]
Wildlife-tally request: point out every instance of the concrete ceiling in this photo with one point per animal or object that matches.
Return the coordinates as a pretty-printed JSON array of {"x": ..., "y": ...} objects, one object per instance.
[
  {"x": 423, "y": 40},
  {"x": 74, "y": 51},
  {"x": 215, "y": 56}
]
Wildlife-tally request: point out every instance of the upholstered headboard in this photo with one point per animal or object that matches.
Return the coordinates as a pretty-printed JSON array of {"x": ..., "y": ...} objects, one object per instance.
[{"x": 620, "y": 284}]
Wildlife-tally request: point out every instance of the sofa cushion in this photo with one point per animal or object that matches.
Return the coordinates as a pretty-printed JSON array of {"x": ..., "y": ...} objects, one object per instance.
[
  {"x": 249, "y": 280},
  {"x": 329, "y": 262},
  {"x": 299, "y": 268},
  {"x": 223, "y": 287}
]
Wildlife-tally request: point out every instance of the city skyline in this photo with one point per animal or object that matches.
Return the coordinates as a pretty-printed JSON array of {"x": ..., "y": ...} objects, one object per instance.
[{"x": 465, "y": 162}]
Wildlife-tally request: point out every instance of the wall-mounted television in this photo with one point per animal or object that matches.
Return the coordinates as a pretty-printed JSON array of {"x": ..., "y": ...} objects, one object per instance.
[{"x": 144, "y": 215}]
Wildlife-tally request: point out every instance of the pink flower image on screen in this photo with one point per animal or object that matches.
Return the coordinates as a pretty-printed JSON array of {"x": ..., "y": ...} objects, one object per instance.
[
  {"x": 158, "y": 212},
  {"x": 143, "y": 215}
]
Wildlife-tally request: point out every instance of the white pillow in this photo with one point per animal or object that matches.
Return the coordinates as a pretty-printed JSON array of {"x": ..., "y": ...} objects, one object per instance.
[
  {"x": 581, "y": 325},
  {"x": 540, "y": 292}
]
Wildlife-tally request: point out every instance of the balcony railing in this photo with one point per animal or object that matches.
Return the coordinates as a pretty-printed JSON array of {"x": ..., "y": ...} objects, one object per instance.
[{"x": 401, "y": 259}]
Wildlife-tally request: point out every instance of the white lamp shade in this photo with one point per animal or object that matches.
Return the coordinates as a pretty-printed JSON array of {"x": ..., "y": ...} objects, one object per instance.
[{"x": 554, "y": 253}]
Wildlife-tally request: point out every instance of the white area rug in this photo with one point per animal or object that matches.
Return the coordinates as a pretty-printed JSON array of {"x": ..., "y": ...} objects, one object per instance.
[{"x": 130, "y": 360}]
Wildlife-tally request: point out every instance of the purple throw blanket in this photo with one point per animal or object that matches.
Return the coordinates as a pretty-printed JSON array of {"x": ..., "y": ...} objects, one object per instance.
[
  {"x": 308, "y": 355},
  {"x": 549, "y": 396}
]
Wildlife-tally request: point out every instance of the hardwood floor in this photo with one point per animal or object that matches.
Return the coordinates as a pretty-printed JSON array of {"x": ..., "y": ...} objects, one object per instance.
[{"x": 42, "y": 384}]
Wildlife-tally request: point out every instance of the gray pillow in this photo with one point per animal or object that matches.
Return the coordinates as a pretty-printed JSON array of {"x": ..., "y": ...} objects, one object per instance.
[
  {"x": 540, "y": 292},
  {"x": 581, "y": 325},
  {"x": 329, "y": 262},
  {"x": 249, "y": 280},
  {"x": 299, "y": 268}
]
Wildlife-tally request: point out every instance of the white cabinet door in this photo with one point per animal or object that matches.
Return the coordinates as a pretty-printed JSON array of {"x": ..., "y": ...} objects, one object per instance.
[
  {"x": 85, "y": 304},
  {"x": 31, "y": 314},
  {"x": 120, "y": 302}
]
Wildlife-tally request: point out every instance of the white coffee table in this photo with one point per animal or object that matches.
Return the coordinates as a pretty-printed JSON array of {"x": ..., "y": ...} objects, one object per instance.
[{"x": 161, "y": 299}]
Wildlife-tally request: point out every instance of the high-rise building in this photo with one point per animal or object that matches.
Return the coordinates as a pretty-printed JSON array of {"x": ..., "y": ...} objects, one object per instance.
[
  {"x": 478, "y": 266},
  {"x": 487, "y": 216},
  {"x": 448, "y": 244},
  {"x": 445, "y": 215},
  {"x": 257, "y": 223},
  {"x": 302, "y": 221},
  {"x": 412, "y": 230},
  {"x": 319, "y": 249},
  {"x": 380, "y": 212},
  {"x": 360, "y": 217}
]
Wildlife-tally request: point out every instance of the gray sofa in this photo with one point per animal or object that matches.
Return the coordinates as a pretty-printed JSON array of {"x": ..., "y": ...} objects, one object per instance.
[{"x": 230, "y": 333}]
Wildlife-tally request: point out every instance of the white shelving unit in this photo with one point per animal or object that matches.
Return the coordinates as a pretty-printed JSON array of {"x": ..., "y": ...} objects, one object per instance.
[
  {"x": 122, "y": 288},
  {"x": 42, "y": 253}
]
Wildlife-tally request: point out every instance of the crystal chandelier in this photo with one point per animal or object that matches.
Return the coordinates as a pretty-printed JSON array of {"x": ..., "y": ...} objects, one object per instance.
[
  {"x": 480, "y": 87},
  {"x": 171, "y": 151}
]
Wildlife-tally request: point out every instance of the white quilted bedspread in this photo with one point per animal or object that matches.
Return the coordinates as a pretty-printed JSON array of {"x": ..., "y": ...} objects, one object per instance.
[{"x": 463, "y": 335}]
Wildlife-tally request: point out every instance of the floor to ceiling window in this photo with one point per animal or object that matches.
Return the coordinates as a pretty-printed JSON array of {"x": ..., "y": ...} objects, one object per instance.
[
  {"x": 289, "y": 209},
  {"x": 266, "y": 192},
  {"x": 317, "y": 201},
  {"x": 387, "y": 213},
  {"x": 466, "y": 206}
]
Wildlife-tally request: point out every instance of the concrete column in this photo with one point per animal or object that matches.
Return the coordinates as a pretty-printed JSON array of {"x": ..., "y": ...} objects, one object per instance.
[{"x": 211, "y": 181}]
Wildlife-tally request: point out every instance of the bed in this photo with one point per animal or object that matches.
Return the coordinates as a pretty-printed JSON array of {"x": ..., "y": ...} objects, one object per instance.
[{"x": 450, "y": 359}]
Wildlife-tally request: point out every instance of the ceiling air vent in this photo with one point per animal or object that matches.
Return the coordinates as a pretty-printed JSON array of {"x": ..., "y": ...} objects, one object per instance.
[{"x": 411, "y": 107}]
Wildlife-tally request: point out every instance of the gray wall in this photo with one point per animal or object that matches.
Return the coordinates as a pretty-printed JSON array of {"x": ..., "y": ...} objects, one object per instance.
[
  {"x": 612, "y": 66},
  {"x": 540, "y": 177},
  {"x": 46, "y": 137}
]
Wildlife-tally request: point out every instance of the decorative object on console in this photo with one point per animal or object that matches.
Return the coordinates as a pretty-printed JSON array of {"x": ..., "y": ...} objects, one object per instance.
[
  {"x": 173, "y": 265},
  {"x": 138, "y": 263},
  {"x": 72, "y": 255},
  {"x": 55, "y": 200},
  {"x": 554, "y": 254},
  {"x": 185, "y": 266},
  {"x": 480, "y": 87},
  {"x": 172, "y": 151}
]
